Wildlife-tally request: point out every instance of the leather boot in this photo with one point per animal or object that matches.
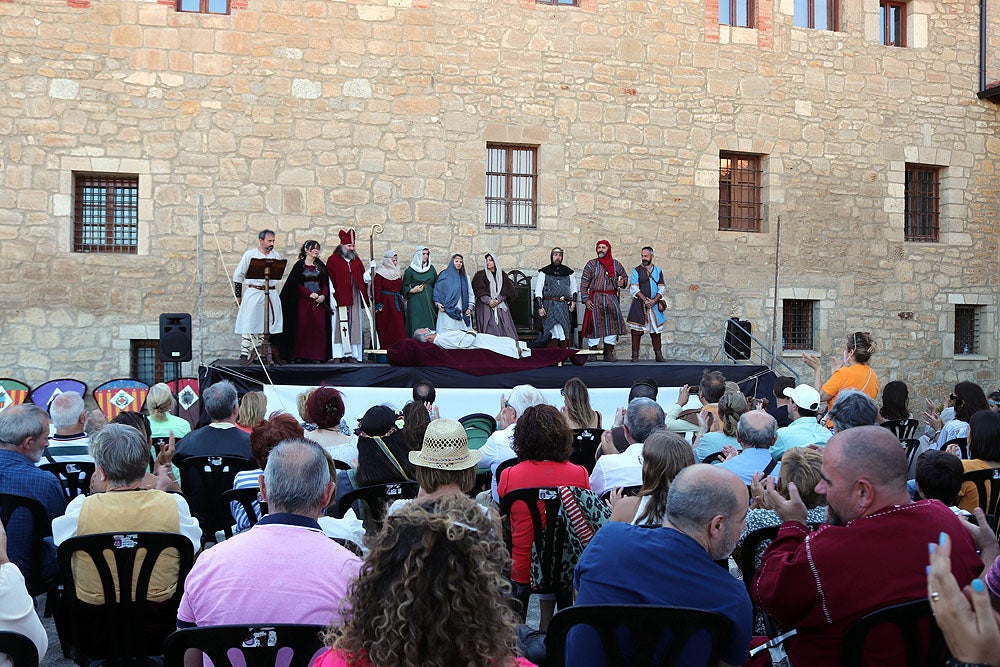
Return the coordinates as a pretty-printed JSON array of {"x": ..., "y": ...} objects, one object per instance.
[
  {"x": 657, "y": 352},
  {"x": 636, "y": 341},
  {"x": 609, "y": 352}
]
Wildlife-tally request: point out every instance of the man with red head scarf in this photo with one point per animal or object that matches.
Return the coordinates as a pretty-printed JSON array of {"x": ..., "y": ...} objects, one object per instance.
[
  {"x": 350, "y": 292},
  {"x": 602, "y": 320}
]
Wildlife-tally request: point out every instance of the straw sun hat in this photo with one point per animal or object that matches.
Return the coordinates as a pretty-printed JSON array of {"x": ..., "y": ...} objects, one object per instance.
[{"x": 446, "y": 447}]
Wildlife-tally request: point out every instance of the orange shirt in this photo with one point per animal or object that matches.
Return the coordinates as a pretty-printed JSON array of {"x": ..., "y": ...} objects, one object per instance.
[{"x": 856, "y": 376}]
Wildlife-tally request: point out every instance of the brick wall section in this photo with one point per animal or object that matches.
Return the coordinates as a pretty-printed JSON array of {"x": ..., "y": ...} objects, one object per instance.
[{"x": 312, "y": 115}]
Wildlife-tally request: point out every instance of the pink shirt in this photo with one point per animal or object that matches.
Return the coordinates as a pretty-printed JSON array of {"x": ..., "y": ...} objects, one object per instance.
[{"x": 283, "y": 570}]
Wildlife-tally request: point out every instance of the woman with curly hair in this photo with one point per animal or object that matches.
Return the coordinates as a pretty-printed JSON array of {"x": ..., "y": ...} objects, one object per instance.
[
  {"x": 576, "y": 405},
  {"x": 430, "y": 594},
  {"x": 664, "y": 454},
  {"x": 708, "y": 441},
  {"x": 543, "y": 442},
  {"x": 325, "y": 408},
  {"x": 853, "y": 373}
]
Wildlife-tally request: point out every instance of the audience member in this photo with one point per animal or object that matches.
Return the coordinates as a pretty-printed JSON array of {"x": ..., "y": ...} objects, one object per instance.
[
  {"x": 69, "y": 442},
  {"x": 17, "y": 608},
  {"x": 543, "y": 445},
  {"x": 642, "y": 417},
  {"x": 643, "y": 387},
  {"x": 711, "y": 388},
  {"x": 253, "y": 407},
  {"x": 221, "y": 437},
  {"x": 984, "y": 450},
  {"x": 850, "y": 371},
  {"x": 756, "y": 433},
  {"x": 423, "y": 391},
  {"x": 24, "y": 431},
  {"x": 994, "y": 401},
  {"x": 383, "y": 448},
  {"x": 124, "y": 497},
  {"x": 664, "y": 454},
  {"x": 431, "y": 593},
  {"x": 804, "y": 429},
  {"x": 265, "y": 436},
  {"x": 673, "y": 566},
  {"x": 967, "y": 398},
  {"x": 416, "y": 418},
  {"x": 325, "y": 408},
  {"x": 896, "y": 407},
  {"x": 162, "y": 424},
  {"x": 852, "y": 408},
  {"x": 823, "y": 584},
  {"x": 444, "y": 465},
  {"x": 732, "y": 406},
  {"x": 307, "y": 573},
  {"x": 301, "y": 404},
  {"x": 576, "y": 406},
  {"x": 939, "y": 477},
  {"x": 970, "y": 626},
  {"x": 780, "y": 412},
  {"x": 499, "y": 447}
]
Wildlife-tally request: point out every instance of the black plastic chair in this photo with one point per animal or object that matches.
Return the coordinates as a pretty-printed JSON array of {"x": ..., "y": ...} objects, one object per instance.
[
  {"x": 126, "y": 627},
  {"x": 585, "y": 444},
  {"x": 963, "y": 446},
  {"x": 350, "y": 545},
  {"x": 258, "y": 645},
  {"x": 752, "y": 544},
  {"x": 547, "y": 540},
  {"x": 920, "y": 635},
  {"x": 904, "y": 429},
  {"x": 988, "y": 487},
  {"x": 204, "y": 480},
  {"x": 714, "y": 457},
  {"x": 33, "y": 570},
  {"x": 648, "y": 635},
  {"x": 912, "y": 446},
  {"x": 341, "y": 465},
  {"x": 478, "y": 426},
  {"x": 503, "y": 465},
  {"x": 247, "y": 499},
  {"x": 376, "y": 498},
  {"x": 20, "y": 650},
  {"x": 74, "y": 476}
]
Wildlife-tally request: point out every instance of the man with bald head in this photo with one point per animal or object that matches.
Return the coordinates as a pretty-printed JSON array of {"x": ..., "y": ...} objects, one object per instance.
[
  {"x": 871, "y": 554},
  {"x": 672, "y": 566}
]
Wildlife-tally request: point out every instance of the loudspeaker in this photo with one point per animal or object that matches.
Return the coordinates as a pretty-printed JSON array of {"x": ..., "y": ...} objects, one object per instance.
[
  {"x": 175, "y": 337},
  {"x": 737, "y": 343}
]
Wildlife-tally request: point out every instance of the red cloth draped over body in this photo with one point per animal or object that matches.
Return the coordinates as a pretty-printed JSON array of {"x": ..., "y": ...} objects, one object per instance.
[
  {"x": 411, "y": 352},
  {"x": 341, "y": 274}
]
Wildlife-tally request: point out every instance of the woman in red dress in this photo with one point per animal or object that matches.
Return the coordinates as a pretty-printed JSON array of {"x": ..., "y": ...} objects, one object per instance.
[
  {"x": 305, "y": 303},
  {"x": 389, "y": 321}
]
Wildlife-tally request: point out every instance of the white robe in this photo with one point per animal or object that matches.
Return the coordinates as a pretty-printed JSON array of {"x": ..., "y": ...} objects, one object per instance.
[
  {"x": 470, "y": 340},
  {"x": 250, "y": 319}
]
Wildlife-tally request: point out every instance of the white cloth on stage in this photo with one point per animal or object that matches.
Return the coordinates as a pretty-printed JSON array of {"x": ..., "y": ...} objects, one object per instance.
[
  {"x": 470, "y": 340},
  {"x": 250, "y": 319},
  {"x": 355, "y": 318}
]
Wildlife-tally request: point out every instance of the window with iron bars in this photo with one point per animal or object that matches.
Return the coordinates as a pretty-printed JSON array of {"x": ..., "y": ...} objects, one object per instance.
[
  {"x": 967, "y": 339},
  {"x": 923, "y": 197},
  {"x": 797, "y": 324},
  {"x": 511, "y": 185},
  {"x": 739, "y": 192},
  {"x": 145, "y": 363},
  {"x": 105, "y": 213}
]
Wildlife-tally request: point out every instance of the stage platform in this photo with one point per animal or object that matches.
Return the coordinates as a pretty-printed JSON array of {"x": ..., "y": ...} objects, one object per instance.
[{"x": 459, "y": 393}]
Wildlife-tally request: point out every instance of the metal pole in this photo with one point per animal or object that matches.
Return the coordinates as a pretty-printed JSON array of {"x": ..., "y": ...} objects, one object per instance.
[
  {"x": 774, "y": 305},
  {"x": 201, "y": 279}
]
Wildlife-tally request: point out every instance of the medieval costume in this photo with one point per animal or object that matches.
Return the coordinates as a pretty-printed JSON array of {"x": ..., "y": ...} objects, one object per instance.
[
  {"x": 493, "y": 290},
  {"x": 250, "y": 318},
  {"x": 602, "y": 278},
  {"x": 470, "y": 340},
  {"x": 305, "y": 300},
  {"x": 418, "y": 290},
  {"x": 453, "y": 297},
  {"x": 555, "y": 298},
  {"x": 350, "y": 291},
  {"x": 389, "y": 301},
  {"x": 647, "y": 288}
]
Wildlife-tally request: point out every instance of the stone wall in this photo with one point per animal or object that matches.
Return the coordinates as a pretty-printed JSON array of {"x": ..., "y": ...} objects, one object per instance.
[{"x": 309, "y": 116}]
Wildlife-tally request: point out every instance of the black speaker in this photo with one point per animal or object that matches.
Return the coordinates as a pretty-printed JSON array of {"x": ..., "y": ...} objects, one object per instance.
[
  {"x": 175, "y": 337},
  {"x": 737, "y": 344}
]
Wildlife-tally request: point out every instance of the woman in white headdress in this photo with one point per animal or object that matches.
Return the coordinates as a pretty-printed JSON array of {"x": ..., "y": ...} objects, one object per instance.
[
  {"x": 389, "y": 301},
  {"x": 493, "y": 291},
  {"x": 418, "y": 290}
]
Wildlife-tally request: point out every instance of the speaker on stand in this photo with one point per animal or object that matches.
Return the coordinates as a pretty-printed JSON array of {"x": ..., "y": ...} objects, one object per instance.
[
  {"x": 737, "y": 343},
  {"x": 175, "y": 339}
]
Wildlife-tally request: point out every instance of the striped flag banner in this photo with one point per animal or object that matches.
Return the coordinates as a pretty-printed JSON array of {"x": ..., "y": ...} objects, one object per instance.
[{"x": 121, "y": 395}]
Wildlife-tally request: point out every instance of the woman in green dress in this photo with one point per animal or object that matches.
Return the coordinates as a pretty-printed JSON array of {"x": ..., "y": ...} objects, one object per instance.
[{"x": 418, "y": 290}]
